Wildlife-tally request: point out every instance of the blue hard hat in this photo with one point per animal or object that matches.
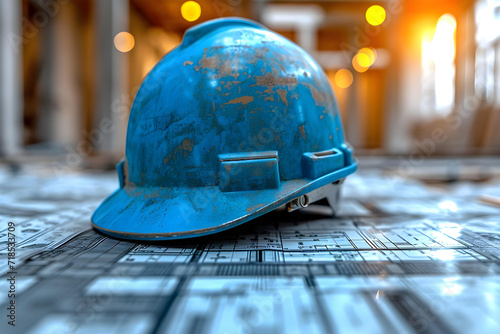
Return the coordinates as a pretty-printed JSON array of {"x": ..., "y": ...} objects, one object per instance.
[{"x": 233, "y": 123}]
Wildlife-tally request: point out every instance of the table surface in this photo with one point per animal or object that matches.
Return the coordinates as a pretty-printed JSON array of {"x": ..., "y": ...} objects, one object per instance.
[{"x": 402, "y": 256}]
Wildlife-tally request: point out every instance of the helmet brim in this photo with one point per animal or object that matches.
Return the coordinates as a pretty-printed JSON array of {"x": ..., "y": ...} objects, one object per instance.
[{"x": 149, "y": 214}]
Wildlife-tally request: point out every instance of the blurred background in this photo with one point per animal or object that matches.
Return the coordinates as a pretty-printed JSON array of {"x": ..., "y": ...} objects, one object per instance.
[{"x": 414, "y": 78}]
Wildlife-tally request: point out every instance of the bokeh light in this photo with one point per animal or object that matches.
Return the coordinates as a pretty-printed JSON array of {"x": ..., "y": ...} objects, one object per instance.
[
  {"x": 124, "y": 41},
  {"x": 191, "y": 11},
  {"x": 363, "y": 59},
  {"x": 361, "y": 62},
  {"x": 371, "y": 53},
  {"x": 375, "y": 15},
  {"x": 343, "y": 78}
]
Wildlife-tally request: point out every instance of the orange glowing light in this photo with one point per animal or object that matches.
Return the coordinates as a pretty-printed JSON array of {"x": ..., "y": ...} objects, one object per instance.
[
  {"x": 124, "y": 41},
  {"x": 191, "y": 11},
  {"x": 343, "y": 78},
  {"x": 361, "y": 62},
  {"x": 371, "y": 53}
]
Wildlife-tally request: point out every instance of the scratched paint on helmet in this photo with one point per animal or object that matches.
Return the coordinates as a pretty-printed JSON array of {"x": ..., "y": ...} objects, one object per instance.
[
  {"x": 231, "y": 86},
  {"x": 278, "y": 86}
]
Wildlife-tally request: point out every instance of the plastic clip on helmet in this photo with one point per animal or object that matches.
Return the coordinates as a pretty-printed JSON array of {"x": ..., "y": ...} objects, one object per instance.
[{"x": 233, "y": 123}]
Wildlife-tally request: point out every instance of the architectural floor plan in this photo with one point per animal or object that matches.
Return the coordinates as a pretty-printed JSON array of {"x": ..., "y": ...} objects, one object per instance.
[{"x": 401, "y": 256}]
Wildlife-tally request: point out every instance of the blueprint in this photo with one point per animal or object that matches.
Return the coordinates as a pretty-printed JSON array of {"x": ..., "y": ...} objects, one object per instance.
[{"x": 401, "y": 256}]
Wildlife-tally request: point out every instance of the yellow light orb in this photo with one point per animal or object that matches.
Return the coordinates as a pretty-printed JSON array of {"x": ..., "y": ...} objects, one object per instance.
[
  {"x": 360, "y": 62},
  {"x": 362, "y": 59},
  {"x": 191, "y": 11},
  {"x": 124, "y": 41},
  {"x": 375, "y": 15},
  {"x": 371, "y": 53},
  {"x": 343, "y": 78}
]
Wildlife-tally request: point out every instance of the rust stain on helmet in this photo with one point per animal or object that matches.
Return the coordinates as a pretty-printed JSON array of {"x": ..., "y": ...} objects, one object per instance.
[
  {"x": 243, "y": 100},
  {"x": 302, "y": 132},
  {"x": 270, "y": 80},
  {"x": 317, "y": 95},
  {"x": 282, "y": 94}
]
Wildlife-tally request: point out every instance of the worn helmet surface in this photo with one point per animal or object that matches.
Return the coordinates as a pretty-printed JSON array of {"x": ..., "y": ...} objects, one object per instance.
[{"x": 233, "y": 123}]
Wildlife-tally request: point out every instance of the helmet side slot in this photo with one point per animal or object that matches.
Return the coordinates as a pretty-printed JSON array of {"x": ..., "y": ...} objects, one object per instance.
[{"x": 317, "y": 164}]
